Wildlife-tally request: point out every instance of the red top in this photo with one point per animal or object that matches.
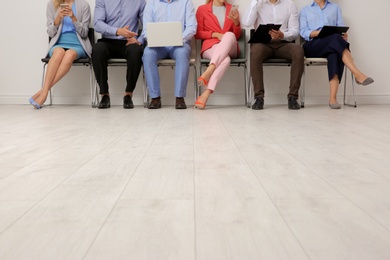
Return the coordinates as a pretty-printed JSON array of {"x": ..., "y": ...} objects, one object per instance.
[{"x": 208, "y": 23}]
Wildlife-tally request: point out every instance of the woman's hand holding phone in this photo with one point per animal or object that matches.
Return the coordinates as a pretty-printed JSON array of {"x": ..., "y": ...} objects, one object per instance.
[{"x": 233, "y": 15}]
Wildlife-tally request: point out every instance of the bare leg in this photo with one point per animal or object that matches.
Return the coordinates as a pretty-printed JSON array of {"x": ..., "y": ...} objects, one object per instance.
[
  {"x": 334, "y": 86},
  {"x": 203, "y": 99},
  {"x": 62, "y": 62},
  {"x": 208, "y": 72},
  {"x": 348, "y": 61}
]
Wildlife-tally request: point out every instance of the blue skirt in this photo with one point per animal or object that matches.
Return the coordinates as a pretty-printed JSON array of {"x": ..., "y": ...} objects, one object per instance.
[{"x": 68, "y": 41}]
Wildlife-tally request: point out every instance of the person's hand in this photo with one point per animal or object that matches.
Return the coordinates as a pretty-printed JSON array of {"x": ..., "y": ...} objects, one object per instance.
[
  {"x": 132, "y": 40},
  {"x": 276, "y": 34},
  {"x": 60, "y": 15},
  {"x": 234, "y": 16},
  {"x": 125, "y": 32},
  {"x": 314, "y": 34},
  {"x": 345, "y": 36},
  {"x": 217, "y": 35},
  {"x": 67, "y": 11}
]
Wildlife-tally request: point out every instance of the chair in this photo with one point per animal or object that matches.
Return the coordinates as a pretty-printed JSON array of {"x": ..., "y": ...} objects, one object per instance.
[
  {"x": 324, "y": 62},
  {"x": 80, "y": 62},
  {"x": 240, "y": 61},
  {"x": 172, "y": 63}
]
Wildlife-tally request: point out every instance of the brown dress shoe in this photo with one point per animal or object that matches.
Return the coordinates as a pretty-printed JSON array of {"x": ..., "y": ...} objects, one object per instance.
[
  {"x": 155, "y": 103},
  {"x": 180, "y": 103}
]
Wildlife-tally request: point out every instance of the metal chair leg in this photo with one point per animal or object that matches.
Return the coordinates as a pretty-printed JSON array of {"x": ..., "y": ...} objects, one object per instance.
[
  {"x": 353, "y": 89},
  {"x": 303, "y": 85}
]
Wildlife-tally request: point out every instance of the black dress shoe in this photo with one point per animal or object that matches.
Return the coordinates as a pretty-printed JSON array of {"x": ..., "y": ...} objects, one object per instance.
[
  {"x": 105, "y": 102},
  {"x": 127, "y": 102},
  {"x": 293, "y": 104},
  {"x": 180, "y": 103},
  {"x": 259, "y": 104},
  {"x": 155, "y": 103}
]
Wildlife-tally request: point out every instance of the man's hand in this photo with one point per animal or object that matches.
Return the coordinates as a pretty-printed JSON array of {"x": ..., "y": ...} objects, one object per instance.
[
  {"x": 132, "y": 40},
  {"x": 125, "y": 32},
  {"x": 276, "y": 35}
]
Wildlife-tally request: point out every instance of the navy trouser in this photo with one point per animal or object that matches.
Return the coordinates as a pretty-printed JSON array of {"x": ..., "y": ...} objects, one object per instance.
[{"x": 331, "y": 48}]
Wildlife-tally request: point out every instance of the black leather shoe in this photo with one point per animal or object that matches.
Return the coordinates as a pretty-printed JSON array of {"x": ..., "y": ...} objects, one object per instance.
[
  {"x": 293, "y": 104},
  {"x": 155, "y": 103},
  {"x": 259, "y": 104},
  {"x": 180, "y": 103},
  {"x": 105, "y": 102},
  {"x": 127, "y": 102}
]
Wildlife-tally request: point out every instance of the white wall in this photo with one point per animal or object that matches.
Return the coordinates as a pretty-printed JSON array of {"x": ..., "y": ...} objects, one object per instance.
[{"x": 24, "y": 42}]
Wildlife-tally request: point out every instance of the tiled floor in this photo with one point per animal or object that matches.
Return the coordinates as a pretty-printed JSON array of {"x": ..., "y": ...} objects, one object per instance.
[{"x": 224, "y": 183}]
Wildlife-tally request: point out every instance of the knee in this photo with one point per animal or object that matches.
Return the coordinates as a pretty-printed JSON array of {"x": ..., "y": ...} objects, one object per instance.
[
  {"x": 134, "y": 51},
  {"x": 149, "y": 55},
  {"x": 183, "y": 53},
  {"x": 298, "y": 53},
  {"x": 230, "y": 36},
  {"x": 99, "y": 49},
  {"x": 58, "y": 52}
]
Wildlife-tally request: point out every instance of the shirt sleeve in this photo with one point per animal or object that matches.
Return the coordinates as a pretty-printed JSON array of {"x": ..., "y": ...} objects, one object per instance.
[
  {"x": 100, "y": 20},
  {"x": 292, "y": 31},
  {"x": 250, "y": 16},
  {"x": 141, "y": 38},
  {"x": 305, "y": 30},
  {"x": 340, "y": 21},
  {"x": 190, "y": 24},
  {"x": 147, "y": 18}
]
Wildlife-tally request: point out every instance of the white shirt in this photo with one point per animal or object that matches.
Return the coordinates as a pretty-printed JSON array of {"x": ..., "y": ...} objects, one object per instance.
[{"x": 283, "y": 12}]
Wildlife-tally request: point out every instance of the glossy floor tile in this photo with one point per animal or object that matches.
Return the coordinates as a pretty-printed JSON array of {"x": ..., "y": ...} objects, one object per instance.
[{"x": 223, "y": 183}]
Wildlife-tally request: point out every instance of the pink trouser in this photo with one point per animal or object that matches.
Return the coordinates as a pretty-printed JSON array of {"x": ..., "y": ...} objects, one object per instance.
[{"x": 220, "y": 55}]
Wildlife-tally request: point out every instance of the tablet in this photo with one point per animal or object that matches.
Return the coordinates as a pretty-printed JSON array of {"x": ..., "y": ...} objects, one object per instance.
[
  {"x": 261, "y": 35},
  {"x": 329, "y": 30}
]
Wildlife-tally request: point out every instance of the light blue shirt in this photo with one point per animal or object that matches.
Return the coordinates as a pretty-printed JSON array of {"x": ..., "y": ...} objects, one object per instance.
[
  {"x": 68, "y": 25},
  {"x": 313, "y": 18},
  {"x": 172, "y": 11},
  {"x": 113, "y": 14}
]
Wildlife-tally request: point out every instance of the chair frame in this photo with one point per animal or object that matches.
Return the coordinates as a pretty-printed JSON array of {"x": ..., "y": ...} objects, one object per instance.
[
  {"x": 79, "y": 62},
  {"x": 240, "y": 61}
]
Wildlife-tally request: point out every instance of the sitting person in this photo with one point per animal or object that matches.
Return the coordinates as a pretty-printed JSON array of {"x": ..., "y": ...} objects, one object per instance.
[
  {"x": 280, "y": 46},
  {"x": 333, "y": 47},
  {"x": 67, "y": 25},
  {"x": 169, "y": 11},
  {"x": 219, "y": 37},
  {"x": 118, "y": 21}
]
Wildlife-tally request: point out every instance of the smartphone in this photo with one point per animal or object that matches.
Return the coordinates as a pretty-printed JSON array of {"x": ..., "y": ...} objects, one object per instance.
[
  {"x": 64, "y": 5},
  {"x": 234, "y": 8}
]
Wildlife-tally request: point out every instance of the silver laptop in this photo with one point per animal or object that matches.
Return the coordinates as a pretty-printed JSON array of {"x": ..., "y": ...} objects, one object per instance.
[{"x": 164, "y": 34}]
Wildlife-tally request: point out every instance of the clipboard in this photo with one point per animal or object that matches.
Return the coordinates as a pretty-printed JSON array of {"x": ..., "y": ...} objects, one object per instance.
[
  {"x": 329, "y": 30},
  {"x": 261, "y": 35}
]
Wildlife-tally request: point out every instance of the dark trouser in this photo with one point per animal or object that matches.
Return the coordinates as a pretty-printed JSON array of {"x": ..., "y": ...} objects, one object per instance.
[
  {"x": 279, "y": 50},
  {"x": 105, "y": 49},
  {"x": 330, "y": 47}
]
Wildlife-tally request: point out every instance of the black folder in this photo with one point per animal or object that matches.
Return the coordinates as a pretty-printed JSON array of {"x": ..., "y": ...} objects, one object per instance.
[
  {"x": 261, "y": 35},
  {"x": 329, "y": 30}
]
